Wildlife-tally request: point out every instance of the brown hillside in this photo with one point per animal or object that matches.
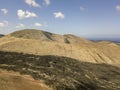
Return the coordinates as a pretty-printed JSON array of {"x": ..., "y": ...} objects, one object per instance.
[
  {"x": 45, "y": 43},
  {"x": 15, "y": 81}
]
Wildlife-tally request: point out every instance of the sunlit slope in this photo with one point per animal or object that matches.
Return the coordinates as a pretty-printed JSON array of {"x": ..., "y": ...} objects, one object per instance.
[
  {"x": 14, "y": 81},
  {"x": 45, "y": 43}
]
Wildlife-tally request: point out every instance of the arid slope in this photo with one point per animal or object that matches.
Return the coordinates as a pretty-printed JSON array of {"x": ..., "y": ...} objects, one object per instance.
[
  {"x": 45, "y": 43},
  {"x": 14, "y": 81}
]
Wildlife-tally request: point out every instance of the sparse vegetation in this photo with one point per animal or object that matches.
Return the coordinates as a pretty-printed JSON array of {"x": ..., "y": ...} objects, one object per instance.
[{"x": 62, "y": 73}]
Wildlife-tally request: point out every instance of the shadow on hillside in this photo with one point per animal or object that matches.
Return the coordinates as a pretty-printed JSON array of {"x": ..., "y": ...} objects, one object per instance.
[{"x": 62, "y": 73}]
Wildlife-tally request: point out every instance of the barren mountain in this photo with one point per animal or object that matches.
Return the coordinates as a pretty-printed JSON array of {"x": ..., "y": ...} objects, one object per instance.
[{"x": 44, "y": 43}]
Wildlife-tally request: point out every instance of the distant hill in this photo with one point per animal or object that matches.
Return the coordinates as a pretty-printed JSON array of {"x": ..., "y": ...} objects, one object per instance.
[
  {"x": 105, "y": 39},
  {"x": 47, "y": 36},
  {"x": 40, "y": 42},
  {"x": 58, "y": 73}
]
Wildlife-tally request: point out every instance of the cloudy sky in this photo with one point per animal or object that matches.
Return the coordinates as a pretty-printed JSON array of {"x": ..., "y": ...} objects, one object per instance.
[{"x": 87, "y": 18}]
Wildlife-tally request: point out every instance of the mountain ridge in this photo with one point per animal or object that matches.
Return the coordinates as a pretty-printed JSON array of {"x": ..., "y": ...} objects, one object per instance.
[{"x": 44, "y": 35}]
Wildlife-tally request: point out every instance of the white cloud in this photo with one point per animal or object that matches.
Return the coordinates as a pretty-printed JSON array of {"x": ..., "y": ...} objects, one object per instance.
[
  {"x": 59, "y": 15},
  {"x": 32, "y": 3},
  {"x": 25, "y": 14},
  {"x": 118, "y": 7},
  {"x": 47, "y": 2},
  {"x": 5, "y": 11},
  {"x": 20, "y": 25},
  {"x": 38, "y": 24},
  {"x": 4, "y": 24},
  {"x": 82, "y": 8}
]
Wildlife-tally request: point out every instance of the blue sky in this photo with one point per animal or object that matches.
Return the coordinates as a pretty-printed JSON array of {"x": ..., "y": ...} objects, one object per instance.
[{"x": 86, "y": 18}]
